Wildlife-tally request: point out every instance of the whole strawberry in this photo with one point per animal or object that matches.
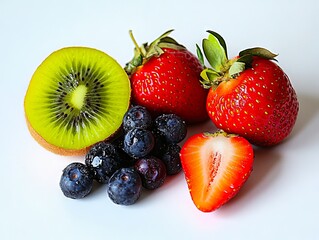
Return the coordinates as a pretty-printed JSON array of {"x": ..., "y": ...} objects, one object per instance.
[
  {"x": 165, "y": 79},
  {"x": 249, "y": 95}
]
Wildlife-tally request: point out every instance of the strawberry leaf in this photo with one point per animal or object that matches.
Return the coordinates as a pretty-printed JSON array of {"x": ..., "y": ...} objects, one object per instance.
[
  {"x": 170, "y": 41},
  {"x": 200, "y": 55},
  {"x": 214, "y": 52},
  {"x": 260, "y": 52},
  {"x": 154, "y": 51},
  {"x": 247, "y": 59},
  {"x": 163, "y": 41},
  {"x": 209, "y": 78},
  {"x": 136, "y": 61},
  {"x": 220, "y": 39},
  {"x": 236, "y": 68},
  {"x": 157, "y": 40},
  {"x": 165, "y": 34}
]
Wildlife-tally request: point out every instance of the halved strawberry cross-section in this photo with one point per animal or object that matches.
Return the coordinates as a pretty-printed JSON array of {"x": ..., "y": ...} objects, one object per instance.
[{"x": 216, "y": 165}]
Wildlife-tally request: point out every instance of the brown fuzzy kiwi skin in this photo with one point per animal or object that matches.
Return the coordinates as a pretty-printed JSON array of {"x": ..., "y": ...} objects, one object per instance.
[
  {"x": 53, "y": 148},
  {"x": 59, "y": 150}
]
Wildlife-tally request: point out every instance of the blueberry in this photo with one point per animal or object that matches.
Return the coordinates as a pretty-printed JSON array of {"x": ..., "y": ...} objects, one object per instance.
[
  {"x": 76, "y": 181},
  {"x": 124, "y": 186},
  {"x": 159, "y": 146},
  {"x": 172, "y": 127},
  {"x": 103, "y": 160},
  {"x": 138, "y": 142},
  {"x": 172, "y": 159},
  {"x": 137, "y": 117},
  {"x": 152, "y": 171},
  {"x": 118, "y": 142}
]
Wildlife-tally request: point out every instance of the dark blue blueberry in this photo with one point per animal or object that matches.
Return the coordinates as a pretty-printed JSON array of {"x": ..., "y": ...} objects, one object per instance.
[
  {"x": 172, "y": 127},
  {"x": 137, "y": 117},
  {"x": 152, "y": 171},
  {"x": 76, "y": 181},
  {"x": 103, "y": 160},
  {"x": 118, "y": 142},
  {"x": 159, "y": 146},
  {"x": 171, "y": 159},
  {"x": 125, "y": 186},
  {"x": 138, "y": 142}
]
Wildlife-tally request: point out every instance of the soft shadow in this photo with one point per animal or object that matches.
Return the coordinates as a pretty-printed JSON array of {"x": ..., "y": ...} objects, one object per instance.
[
  {"x": 266, "y": 169},
  {"x": 308, "y": 108},
  {"x": 170, "y": 183}
]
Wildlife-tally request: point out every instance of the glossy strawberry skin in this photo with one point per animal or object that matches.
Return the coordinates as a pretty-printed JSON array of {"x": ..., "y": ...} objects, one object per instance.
[
  {"x": 170, "y": 83},
  {"x": 260, "y": 104},
  {"x": 216, "y": 166}
]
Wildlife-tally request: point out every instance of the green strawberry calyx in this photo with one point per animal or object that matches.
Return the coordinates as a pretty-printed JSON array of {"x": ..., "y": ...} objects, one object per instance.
[
  {"x": 221, "y": 68},
  {"x": 145, "y": 52},
  {"x": 219, "y": 132}
]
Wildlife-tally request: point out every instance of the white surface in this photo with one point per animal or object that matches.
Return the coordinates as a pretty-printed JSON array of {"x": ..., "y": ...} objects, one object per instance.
[{"x": 279, "y": 201}]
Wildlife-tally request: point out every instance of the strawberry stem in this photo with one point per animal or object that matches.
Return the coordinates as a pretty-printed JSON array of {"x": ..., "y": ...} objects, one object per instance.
[
  {"x": 135, "y": 43},
  {"x": 145, "y": 52}
]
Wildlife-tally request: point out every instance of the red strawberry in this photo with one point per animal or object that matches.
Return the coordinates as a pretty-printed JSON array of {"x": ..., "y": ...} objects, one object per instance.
[
  {"x": 165, "y": 79},
  {"x": 216, "y": 165},
  {"x": 250, "y": 94}
]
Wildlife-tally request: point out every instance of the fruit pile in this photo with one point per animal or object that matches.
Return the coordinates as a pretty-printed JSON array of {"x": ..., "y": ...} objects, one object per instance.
[
  {"x": 142, "y": 153},
  {"x": 78, "y": 100}
]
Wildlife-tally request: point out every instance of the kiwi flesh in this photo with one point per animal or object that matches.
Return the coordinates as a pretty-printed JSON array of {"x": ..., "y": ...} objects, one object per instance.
[{"x": 76, "y": 97}]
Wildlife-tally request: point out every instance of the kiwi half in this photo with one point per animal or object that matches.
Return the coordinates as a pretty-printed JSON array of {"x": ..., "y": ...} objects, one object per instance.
[{"x": 76, "y": 97}]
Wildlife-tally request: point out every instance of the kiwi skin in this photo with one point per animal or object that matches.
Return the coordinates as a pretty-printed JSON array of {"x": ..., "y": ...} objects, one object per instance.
[
  {"x": 58, "y": 150},
  {"x": 53, "y": 148}
]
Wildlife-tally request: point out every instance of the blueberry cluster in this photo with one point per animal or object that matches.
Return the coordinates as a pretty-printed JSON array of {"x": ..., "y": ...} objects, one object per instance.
[{"x": 141, "y": 155}]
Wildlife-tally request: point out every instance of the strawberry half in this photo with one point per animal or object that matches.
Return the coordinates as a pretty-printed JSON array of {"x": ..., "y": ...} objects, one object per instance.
[
  {"x": 250, "y": 95},
  {"x": 216, "y": 165},
  {"x": 165, "y": 79}
]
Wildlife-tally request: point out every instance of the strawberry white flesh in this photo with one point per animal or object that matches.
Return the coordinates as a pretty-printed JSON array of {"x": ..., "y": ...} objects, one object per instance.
[{"x": 215, "y": 166}]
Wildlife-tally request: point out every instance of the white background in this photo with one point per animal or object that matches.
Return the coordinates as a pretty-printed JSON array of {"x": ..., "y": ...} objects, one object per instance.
[{"x": 279, "y": 201}]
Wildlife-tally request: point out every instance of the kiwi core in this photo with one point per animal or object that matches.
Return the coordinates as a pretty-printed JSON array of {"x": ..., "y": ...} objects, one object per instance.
[{"x": 78, "y": 96}]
